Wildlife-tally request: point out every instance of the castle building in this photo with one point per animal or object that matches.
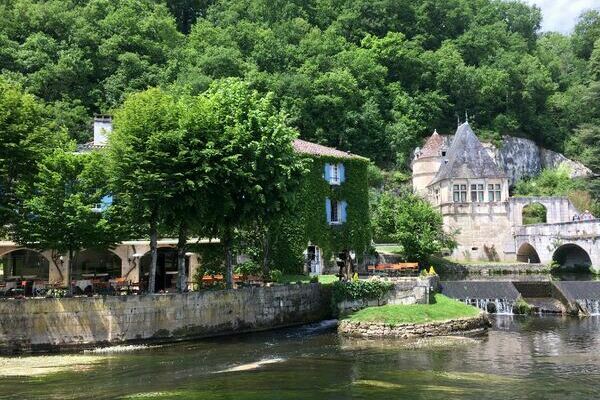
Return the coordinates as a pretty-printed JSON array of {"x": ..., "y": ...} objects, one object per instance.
[{"x": 472, "y": 193}]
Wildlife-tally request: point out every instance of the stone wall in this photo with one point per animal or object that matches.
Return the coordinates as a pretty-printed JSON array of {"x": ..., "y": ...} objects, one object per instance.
[
  {"x": 405, "y": 331},
  {"x": 48, "y": 324}
]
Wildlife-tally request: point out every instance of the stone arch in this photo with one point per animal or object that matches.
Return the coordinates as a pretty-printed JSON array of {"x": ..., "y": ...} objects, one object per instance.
[
  {"x": 572, "y": 256},
  {"x": 166, "y": 268},
  {"x": 534, "y": 213},
  {"x": 25, "y": 262},
  {"x": 92, "y": 262},
  {"x": 527, "y": 253}
]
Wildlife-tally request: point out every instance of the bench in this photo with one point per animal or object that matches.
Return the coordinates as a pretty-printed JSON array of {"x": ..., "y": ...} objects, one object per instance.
[{"x": 394, "y": 269}]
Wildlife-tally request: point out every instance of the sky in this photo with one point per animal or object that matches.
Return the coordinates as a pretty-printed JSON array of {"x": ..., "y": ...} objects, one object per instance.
[{"x": 561, "y": 15}]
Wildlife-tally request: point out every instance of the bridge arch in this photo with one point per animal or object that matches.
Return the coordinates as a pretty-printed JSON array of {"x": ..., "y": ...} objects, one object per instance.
[
  {"x": 528, "y": 254},
  {"x": 572, "y": 256}
]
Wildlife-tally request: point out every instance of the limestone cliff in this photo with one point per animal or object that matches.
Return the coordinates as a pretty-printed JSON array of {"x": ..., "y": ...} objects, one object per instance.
[{"x": 521, "y": 158}]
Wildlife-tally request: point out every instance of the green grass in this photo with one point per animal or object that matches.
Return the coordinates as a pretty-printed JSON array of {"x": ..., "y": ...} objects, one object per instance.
[
  {"x": 443, "y": 309},
  {"x": 389, "y": 249},
  {"x": 324, "y": 279}
]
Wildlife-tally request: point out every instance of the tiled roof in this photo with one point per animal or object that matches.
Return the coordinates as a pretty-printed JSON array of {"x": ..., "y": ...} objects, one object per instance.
[
  {"x": 304, "y": 147},
  {"x": 432, "y": 146},
  {"x": 301, "y": 146},
  {"x": 467, "y": 158}
]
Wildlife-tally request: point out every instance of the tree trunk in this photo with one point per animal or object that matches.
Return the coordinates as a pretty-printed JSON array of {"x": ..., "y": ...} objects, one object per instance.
[
  {"x": 227, "y": 243},
  {"x": 181, "y": 247},
  {"x": 70, "y": 278},
  {"x": 153, "y": 252},
  {"x": 266, "y": 255}
]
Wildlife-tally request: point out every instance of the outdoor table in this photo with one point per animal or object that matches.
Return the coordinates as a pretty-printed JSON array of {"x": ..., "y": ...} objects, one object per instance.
[{"x": 83, "y": 283}]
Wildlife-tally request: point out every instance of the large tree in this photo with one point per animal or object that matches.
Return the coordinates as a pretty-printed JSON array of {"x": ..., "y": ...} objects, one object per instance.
[
  {"x": 143, "y": 153},
  {"x": 26, "y": 135},
  {"x": 59, "y": 210},
  {"x": 257, "y": 167}
]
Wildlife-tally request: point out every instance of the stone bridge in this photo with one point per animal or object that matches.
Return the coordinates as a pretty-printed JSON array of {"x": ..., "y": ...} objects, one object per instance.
[{"x": 572, "y": 244}]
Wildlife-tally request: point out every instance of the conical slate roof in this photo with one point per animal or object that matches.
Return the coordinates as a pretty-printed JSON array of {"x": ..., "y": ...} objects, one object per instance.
[
  {"x": 432, "y": 146},
  {"x": 467, "y": 158}
]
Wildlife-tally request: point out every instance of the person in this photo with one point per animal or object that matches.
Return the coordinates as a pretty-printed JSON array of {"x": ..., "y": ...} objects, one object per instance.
[{"x": 576, "y": 217}]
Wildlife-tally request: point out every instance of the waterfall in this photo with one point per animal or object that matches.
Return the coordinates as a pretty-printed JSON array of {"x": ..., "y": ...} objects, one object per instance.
[
  {"x": 592, "y": 306},
  {"x": 495, "y": 306}
]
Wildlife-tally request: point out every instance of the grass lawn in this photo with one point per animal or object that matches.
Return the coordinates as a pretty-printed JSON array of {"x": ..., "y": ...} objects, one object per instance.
[
  {"x": 325, "y": 279},
  {"x": 443, "y": 309},
  {"x": 389, "y": 249}
]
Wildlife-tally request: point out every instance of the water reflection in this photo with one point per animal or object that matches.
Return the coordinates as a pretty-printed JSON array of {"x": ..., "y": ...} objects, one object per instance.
[{"x": 521, "y": 357}]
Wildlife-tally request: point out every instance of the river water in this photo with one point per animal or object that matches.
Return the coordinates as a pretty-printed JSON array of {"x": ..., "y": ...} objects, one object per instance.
[{"x": 519, "y": 358}]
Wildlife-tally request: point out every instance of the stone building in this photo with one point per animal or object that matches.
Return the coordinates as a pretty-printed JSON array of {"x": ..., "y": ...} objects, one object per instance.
[{"x": 460, "y": 178}]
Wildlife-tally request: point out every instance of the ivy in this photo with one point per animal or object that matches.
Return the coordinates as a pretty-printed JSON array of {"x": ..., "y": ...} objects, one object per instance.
[
  {"x": 360, "y": 290},
  {"x": 308, "y": 223}
]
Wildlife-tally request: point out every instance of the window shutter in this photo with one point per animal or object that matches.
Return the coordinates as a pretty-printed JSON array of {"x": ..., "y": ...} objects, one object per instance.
[
  {"x": 328, "y": 210},
  {"x": 342, "y": 172},
  {"x": 327, "y": 174},
  {"x": 106, "y": 202},
  {"x": 343, "y": 207}
]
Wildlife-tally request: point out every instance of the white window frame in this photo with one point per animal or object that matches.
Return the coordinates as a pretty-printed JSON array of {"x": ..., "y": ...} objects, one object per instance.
[
  {"x": 459, "y": 193},
  {"x": 477, "y": 192},
  {"x": 334, "y": 174},
  {"x": 494, "y": 192}
]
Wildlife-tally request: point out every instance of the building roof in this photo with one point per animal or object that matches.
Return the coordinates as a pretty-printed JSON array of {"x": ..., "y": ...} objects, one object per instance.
[
  {"x": 432, "y": 146},
  {"x": 304, "y": 147},
  {"x": 467, "y": 158}
]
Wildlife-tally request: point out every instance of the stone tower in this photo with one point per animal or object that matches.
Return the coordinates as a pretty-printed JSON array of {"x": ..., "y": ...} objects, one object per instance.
[{"x": 427, "y": 163}]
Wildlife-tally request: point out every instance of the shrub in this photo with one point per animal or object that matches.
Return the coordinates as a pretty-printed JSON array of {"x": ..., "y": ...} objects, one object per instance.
[
  {"x": 275, "y": 275},
  {"x": 360, "y": 290},
  {"x": 248, "y": 268},
  {"x": 521, "y": 307}
]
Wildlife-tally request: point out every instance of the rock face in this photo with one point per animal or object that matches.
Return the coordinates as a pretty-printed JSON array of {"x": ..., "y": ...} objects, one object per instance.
[
  {"x": 521, "y": 158},
  {"x": 406, "y": 331}
]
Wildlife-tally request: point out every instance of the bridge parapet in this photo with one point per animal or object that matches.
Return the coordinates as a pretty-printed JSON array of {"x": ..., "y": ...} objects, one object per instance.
[{"x": 571, "y": 229}]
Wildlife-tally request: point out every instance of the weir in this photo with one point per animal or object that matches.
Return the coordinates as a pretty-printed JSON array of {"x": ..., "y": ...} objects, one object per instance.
[
  {"x": 496, "y": 297},
  {"x": 544, "y": 297},
  {"x": 584, "y": 294}
]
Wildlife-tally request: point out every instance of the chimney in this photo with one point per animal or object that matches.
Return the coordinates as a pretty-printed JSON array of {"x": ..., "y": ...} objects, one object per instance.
[{"x": 102, "y": 126}]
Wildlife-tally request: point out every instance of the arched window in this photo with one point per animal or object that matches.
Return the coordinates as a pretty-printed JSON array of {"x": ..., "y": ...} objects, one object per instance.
[
  {"x": 534, "y": 213},
  {"x": 95, "y": 263},
  {"x": 24, "y": 263}
]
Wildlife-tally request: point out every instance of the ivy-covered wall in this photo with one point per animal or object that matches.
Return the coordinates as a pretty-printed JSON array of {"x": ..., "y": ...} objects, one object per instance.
[{"x": 308, "y": 222}]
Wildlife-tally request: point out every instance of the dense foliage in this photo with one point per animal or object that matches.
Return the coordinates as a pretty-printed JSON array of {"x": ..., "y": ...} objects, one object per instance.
[
  {"x": 370, "y": 76},
  {"x": 360, "y": 290},
  {"x": 411, "y": 222}
]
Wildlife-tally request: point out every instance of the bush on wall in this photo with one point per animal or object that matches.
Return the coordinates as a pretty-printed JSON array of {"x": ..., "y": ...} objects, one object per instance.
[{"x": 360, "y": 290}]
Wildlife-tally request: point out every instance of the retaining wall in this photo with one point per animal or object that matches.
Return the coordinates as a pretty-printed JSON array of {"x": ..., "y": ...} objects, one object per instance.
[{"x": 48, "y": 324}]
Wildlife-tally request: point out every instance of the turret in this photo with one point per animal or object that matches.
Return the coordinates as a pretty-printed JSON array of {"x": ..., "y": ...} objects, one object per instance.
[{"x": 427, "y": 162}]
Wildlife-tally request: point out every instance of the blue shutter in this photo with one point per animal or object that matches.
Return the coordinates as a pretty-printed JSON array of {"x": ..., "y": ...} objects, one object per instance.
[
  {"x": 342, "y": 172},
  {"x": 343, "y": 207},
  {"x": 328, "y": 210},
  {"x": 327, "y": 174},
  {"x": 106, "y": 202}
]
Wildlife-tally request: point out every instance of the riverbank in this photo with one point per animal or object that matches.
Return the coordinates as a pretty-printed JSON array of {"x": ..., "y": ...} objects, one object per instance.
[
  {"x": 443, "y": 317},
  {"x": 37, "y": 325}
]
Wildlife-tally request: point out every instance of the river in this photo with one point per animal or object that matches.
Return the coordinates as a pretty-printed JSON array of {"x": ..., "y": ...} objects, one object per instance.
[{"x": 520, "y": 357}]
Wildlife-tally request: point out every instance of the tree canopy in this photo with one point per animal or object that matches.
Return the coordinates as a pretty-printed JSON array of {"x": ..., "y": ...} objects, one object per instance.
[{"x": 370, "y": 76}]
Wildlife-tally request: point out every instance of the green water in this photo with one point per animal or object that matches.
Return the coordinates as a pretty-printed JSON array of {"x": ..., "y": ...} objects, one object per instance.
[{"x": 520, "y": 358}]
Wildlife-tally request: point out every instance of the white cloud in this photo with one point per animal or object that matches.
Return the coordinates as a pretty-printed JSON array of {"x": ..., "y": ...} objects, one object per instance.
[{"x": 561, "y": 15}]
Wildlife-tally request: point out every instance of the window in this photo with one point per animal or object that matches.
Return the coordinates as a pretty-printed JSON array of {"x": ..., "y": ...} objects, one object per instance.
[
  {"x": 459, "y": 193},
  {"x": 335, "y": 174},
  {"x": 336, "y": 211},
  {"x": 494, "y": 192},
  {"x": 477, "y": 193},
  {"x": 443, "y": 154}
]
